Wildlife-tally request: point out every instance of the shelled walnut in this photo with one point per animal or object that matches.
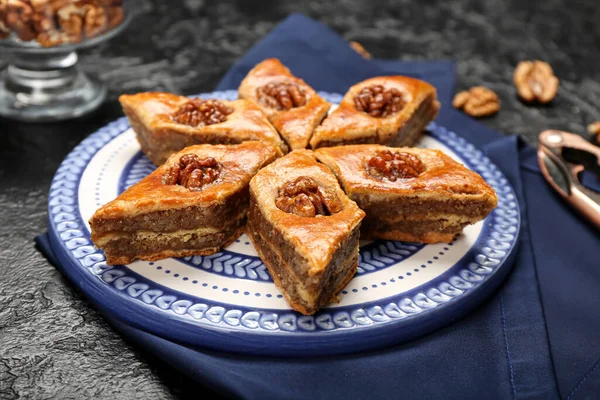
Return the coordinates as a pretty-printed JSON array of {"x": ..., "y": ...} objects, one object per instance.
[
  {"x": 393, "y": 165},
  {"x": 95, "y": 20},
  {"x": 19, "y": 19},
  {"x": 199, "y": 113},
  {"x": 357, "y": 47},
  {"x": 281, "y": 95},
  {"x": 115, "y": 16},
  {"x": 55, "y": 22},
  {"x": 478, "y": 101},
  {"x": 535, "y": 81},
  {"x": 594, "y": 129},
  {"x": 305, "y": 198},
  {"x": 71, "y": 22},
  {"x": 49, "y": 6},
  {"x": 4, "y": 30},
  {"x": 193, "y": 172},
  {"x": 378, "y": 101}
]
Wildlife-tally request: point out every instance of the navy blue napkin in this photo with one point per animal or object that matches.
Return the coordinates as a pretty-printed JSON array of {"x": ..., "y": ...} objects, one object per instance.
[{"x": 536, "y": 338}]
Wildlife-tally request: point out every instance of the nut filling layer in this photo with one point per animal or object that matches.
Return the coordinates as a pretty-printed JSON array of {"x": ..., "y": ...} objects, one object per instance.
[
  {"x": 199, "y": 113},
  {"x": 193, "y": 172},
  {"x": 305, "y": 198},
  {"x": 281, "y": 96},
  {"x": 379, "y": 102},
  {"x": 392, "y": 165}
]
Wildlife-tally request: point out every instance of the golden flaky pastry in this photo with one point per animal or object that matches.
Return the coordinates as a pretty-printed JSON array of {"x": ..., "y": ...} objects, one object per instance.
[
  {"x": 409, "y": 194},
  {"x": 292, "y": 106},
  {"x": 305, "y": 229},
  {"x": 165, "y": 123},
  {"x": 193, "y": 204},
  {"x": 390, "y": 110}
]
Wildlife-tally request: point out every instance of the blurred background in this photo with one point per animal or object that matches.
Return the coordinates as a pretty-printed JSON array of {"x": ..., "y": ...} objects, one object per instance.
[{"x": 186, "y": 46}]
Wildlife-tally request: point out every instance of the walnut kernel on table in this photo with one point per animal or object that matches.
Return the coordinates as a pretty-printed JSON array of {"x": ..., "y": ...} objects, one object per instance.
[
  {"x": 360, "y": 50},
  {"x": 478, "y": 101},
  {"x": 535, "y": 81},
  {"x": 594, "y": 129}
]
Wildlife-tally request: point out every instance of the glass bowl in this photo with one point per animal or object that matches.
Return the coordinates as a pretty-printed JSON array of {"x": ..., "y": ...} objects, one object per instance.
[{"x": 44, "y": 83}]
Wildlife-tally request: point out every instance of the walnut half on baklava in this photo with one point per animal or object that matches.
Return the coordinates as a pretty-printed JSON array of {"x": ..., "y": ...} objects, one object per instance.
[
  {"x": 165, "y": 123},
  {"x": 388, "y": 110},
  {"x": 305, "y": 229},
  {"x": 409, "y": 194},
  {"x": 292, "y": 106},
  {"x": 194, "y": 204}
]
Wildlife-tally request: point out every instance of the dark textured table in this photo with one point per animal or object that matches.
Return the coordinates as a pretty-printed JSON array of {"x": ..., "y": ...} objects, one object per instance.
[{"x": 52, "y": 343}]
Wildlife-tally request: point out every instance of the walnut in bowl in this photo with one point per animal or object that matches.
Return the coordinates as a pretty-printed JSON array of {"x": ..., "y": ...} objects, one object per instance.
[
  {"x": 39, "y": 38},
  {"x": 57, "y": 22}
]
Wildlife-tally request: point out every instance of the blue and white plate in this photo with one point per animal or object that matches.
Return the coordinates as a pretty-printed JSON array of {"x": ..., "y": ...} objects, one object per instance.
[{"x": 228, "y": 301}]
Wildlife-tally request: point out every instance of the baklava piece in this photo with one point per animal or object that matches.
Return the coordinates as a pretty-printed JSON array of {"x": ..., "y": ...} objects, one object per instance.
[
  {"x": 305, "y": 229},
  {"x": 389, "y": 110},
  {"x": 409, "y": 194},
  {"x": 292, "y": 106},
  {"x": 194, "y": 204},
  {"x": 165, "y": 123}
]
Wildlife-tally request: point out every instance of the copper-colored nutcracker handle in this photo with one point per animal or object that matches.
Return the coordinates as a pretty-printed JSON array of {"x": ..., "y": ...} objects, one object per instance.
[{"x": 584, "y": 200}]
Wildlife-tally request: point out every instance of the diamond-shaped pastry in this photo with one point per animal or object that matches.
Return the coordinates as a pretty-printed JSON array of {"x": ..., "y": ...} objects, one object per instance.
[
  {"x": 193, "y": 204},
  {"x": 305, "y": 229},
  {"x": 389, "y": 110},
  {"x": 165, "y": 123},
  {"x": 409, "y": 194},
  {"x": 292, "y": 106}
]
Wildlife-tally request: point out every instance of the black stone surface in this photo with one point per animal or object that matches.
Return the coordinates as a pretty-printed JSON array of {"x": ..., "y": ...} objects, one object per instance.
[{"x": 52, "y": 343}]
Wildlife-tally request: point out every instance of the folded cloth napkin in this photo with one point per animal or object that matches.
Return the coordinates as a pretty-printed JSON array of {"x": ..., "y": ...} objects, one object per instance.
[{"x": 536, "y": 338}]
